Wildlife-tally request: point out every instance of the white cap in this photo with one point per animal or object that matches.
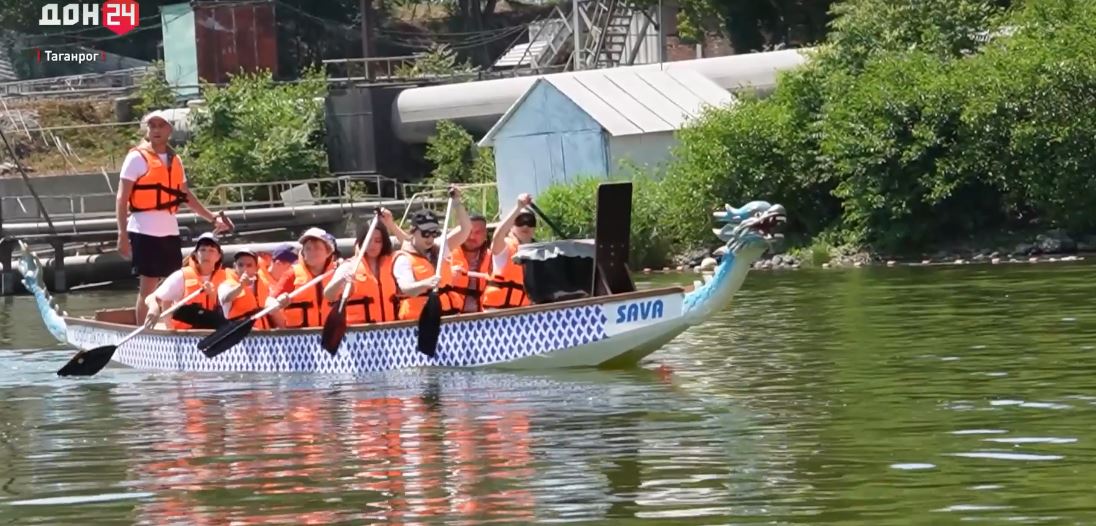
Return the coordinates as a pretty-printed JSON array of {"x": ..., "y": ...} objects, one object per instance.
[
  {"x": 316, "y": 233},
  {"x": 158, "y": 114}
]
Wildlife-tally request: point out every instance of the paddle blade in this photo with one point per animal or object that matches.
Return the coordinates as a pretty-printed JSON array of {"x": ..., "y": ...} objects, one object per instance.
[
  {"x": 225, "y": 338},
  {"x": 199, "y": 318},
  {"x": 430, "y": 325},
  {"x": 87, "y": 363},
  {"x": 334, "y": 328}
]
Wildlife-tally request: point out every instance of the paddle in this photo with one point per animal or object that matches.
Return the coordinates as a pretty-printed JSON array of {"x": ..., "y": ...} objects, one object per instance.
[
  {"x": 334, "y": 327},
  {"x": 228, "y": 336},
  {"x": 551, "y": 224},
  {"x": 87, "y": 363},
  {"x": 199, "y": 317},
  {"x": 430, "y": 318}
]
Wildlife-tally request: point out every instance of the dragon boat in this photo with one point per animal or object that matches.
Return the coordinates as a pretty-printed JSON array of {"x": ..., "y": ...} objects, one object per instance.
[{"x": 586, "y": 311}]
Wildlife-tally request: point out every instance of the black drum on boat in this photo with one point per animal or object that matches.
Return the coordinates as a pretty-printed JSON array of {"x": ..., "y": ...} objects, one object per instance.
[{"x": 557, "y": 270}]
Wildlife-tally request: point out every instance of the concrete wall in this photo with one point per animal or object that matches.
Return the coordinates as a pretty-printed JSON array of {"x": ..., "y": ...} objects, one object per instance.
[
  {"x": 56, "y": 185},
  {"x": 548, "y": 139}
]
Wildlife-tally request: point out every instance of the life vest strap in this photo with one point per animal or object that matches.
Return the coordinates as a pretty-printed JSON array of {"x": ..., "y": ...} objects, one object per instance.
[{"x": 178, "y": 197}]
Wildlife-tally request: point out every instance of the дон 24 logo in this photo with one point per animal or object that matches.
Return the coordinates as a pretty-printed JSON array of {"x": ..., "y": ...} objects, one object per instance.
[{"x": 119, "y": 16}]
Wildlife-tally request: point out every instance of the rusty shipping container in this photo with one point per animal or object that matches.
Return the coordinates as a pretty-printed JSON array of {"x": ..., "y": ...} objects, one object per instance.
[{"x": 231, "y": 37}]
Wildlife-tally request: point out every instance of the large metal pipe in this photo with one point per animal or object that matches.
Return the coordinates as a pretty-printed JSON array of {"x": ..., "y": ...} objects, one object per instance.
[
  {"x": 111, "y": 266},
  {"x": 478, "y": 105},
  {"x": 288, "y": 216}
]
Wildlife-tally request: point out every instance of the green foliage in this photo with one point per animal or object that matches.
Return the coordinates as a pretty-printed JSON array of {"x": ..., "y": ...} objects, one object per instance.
[
  {"x": 754, "y": 150},
  {"x": 440, "y": 59},
  {"x": 573, "y": 208},
  {"x": 257, "y": 130},
  {"x": 457, "y": 160},
  {"x": 864, "y": 29},
  {"x": 902, "y": 132},
  {"x": 154, "y": 92},
  {"x": 452, "y": 151}
]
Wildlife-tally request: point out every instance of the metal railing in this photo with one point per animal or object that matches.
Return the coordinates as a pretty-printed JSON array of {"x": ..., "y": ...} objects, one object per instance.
[
  {"x": 341, "y": 189},
  {"x": 108, "y": 81},
  {"x": 437, "y": 194}
]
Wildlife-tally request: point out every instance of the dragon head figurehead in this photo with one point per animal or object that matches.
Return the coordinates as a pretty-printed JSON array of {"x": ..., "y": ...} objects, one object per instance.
[
  {"x": 746, "y": 233},
  {"x": 754, "y": 224}
]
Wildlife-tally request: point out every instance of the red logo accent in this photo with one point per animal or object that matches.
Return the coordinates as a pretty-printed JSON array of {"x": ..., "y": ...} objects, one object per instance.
[{"x": 120, "y": 16}]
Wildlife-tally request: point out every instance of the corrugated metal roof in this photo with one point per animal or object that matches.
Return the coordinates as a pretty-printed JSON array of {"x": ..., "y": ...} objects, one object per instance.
[{"x": 628, "y": 102}]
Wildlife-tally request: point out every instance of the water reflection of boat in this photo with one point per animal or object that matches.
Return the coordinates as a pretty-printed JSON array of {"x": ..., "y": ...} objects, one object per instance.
[
  {"x": 402, "y": 448},
  {"x": 611, "y": 325}
]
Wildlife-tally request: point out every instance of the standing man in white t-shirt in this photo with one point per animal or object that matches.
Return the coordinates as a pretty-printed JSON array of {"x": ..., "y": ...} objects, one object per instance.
[{"x": 152, "y": 188}]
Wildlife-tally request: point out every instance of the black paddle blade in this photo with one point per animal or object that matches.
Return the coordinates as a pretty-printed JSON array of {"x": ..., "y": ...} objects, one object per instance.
[
  {"x": 87, "y": 363},
  {"x": 334, "y": 328},
  {"x": 200, "y": 318},
  {"x": 430, "y": 325},
  {"x": 225, "y": 338}
]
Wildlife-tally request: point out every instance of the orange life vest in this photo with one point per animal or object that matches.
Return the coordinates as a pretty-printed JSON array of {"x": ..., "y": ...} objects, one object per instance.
[
  {"x": 459, "y": 290},
  {"x": 250, "y": 300},
  {"x": 411, "y": 307},
  {"x": 265, "y": 262},
  {"x": 192, "y": 281},
  {"x": 506, "y": 289},
  {"x": 161, "y": 187},
  {"x": 373, "y": 299},
  {"x": 309, "y": 308}
]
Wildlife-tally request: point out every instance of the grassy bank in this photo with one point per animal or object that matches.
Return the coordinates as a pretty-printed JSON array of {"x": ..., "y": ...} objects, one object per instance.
[{"x": 88, "y": 137}]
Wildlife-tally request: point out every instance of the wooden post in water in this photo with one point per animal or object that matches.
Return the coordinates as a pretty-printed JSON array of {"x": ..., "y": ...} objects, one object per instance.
[{"x": 7, "y": 272}]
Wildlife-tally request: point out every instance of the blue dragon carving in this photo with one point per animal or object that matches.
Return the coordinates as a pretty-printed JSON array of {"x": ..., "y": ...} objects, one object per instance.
[{"x": 747, "y": 233}]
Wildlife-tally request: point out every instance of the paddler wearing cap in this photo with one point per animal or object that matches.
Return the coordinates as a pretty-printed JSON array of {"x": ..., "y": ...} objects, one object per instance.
[
  {"x": 246, "y": 290},
  {"x": 506, "y": 288},
  {"x": 153, "y": 186},
  {"x": 317, "y": 256},
  {"x": 201, "y": 270},
  {"x": 414, "y": 265},
  {"x": 281, "y": 260}
]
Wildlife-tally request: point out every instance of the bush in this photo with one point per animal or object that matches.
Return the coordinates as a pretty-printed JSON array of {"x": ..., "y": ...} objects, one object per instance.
[
  {"x": 573, "y": 208},
  {"x": 153, "y": 92},
  {"x": 457, "y": 160},
  {"x": 904, "y": 131},
  {"x": 257, "y": 130},
  {"x": 758, "y": 149}
]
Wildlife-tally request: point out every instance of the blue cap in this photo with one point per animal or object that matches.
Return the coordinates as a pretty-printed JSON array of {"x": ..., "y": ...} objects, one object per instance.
[{"x": 285, "y": 252}]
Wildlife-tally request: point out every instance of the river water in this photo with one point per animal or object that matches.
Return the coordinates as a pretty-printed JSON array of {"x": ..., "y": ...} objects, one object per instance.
[{"x": 861, "y": 396}]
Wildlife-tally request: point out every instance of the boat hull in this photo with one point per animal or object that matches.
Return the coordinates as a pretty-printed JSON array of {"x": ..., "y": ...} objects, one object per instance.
[{"x": 619, "y": 330}]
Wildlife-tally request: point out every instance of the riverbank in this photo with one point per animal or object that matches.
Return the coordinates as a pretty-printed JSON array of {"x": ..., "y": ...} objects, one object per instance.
[{"x": 1051, "y": 246}]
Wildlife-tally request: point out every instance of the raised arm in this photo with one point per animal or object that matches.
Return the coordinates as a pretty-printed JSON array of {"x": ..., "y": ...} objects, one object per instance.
[
  {"x": 498, "y": 240},
  {"x": 393, "y": 227},
  {"x": 458, "y": 235}
]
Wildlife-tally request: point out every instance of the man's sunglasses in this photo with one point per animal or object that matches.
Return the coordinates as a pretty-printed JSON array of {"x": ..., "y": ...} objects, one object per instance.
[{"x": 430, "y": 233}]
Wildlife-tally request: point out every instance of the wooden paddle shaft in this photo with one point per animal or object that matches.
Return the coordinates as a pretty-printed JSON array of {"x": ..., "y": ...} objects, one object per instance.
[
  {"x": 444, "y": 239},
  {"x": 358, "y": 259}
]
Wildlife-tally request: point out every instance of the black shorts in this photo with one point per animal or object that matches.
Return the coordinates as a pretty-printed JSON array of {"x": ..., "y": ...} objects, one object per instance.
[{"x": 156, "y": 257}]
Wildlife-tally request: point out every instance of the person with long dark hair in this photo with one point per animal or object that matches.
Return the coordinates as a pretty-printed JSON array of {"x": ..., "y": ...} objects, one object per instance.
[{"x": 374, "y": 294}]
